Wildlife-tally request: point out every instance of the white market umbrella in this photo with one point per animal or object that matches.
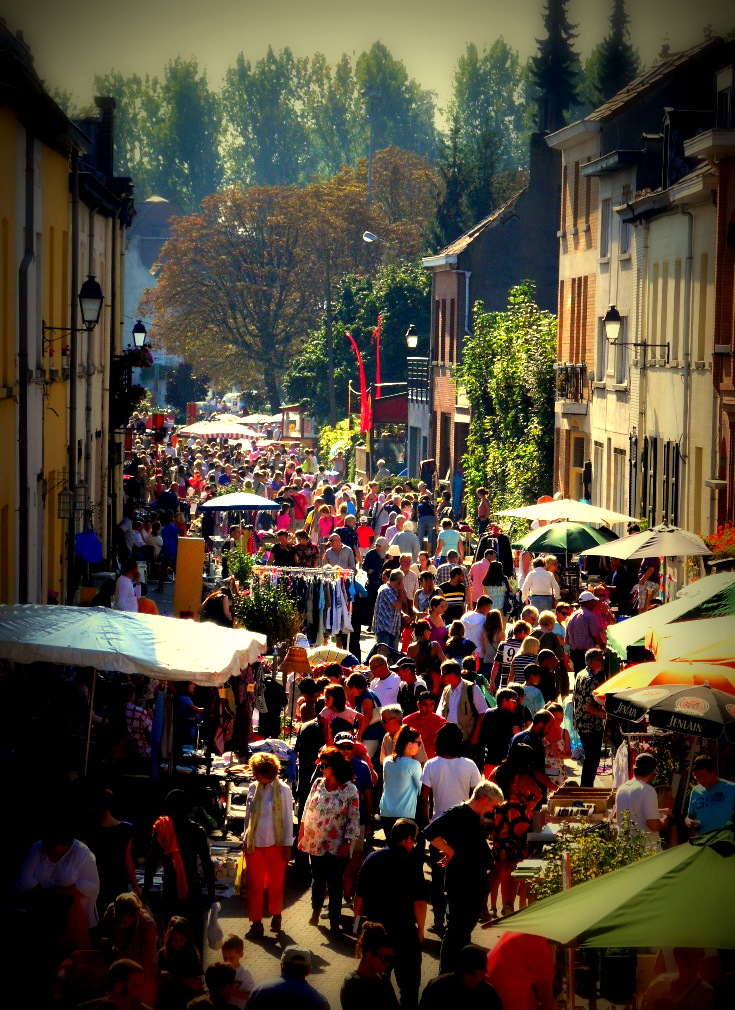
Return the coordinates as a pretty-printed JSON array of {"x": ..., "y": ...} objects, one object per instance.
[
  {"x": 659, "y": 542},
  {"x": 221, "y": 428},
  {"x": 164, "y": 648},
  {"x": 569, "y": 509},
  {"x": 239, "y": 500}
]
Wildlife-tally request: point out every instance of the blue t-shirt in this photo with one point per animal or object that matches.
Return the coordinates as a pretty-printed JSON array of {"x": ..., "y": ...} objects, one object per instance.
[
  {"x": 449, "y": 541},
  {"x": 401, "y": 787},
  {"x": 712, "y": 807}
]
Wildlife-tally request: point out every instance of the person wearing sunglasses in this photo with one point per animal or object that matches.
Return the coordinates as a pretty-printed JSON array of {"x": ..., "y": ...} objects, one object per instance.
[{"x": 369, "y": 986}]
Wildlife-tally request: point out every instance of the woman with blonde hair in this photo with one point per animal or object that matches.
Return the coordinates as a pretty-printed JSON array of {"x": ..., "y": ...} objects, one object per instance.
[
  {"x": 526, "y": 655},
  {"x": 267, "y": 840}
]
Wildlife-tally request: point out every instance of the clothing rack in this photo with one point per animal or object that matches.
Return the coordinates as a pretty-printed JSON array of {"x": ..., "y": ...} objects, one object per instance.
[{"x": 340, "y": 573}]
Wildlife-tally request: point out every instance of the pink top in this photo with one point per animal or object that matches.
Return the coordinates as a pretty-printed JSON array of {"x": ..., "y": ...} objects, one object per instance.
[
  {"x": 283, "y": 521},
  {"x": 438, "y": 634}
]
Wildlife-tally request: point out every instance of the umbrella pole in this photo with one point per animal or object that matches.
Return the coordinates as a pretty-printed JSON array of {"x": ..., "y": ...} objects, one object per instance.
[
  {"x": 566, "y": 878},
  {"x": 89, "y": 724}
]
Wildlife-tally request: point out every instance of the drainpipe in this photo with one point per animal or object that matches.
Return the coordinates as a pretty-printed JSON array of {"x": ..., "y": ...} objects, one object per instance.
[
  {"x": 23, "y": 370},
  {"x": 684, "y": 450},
  {"x": 106, "y": 477},
  {"x": 89, "y": 365},
  {"x": 73, "y": 369},
  {"x": 467, "y": 313}
]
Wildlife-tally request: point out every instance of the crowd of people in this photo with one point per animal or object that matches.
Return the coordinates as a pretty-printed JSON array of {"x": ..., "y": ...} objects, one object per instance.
[{"x": 438, "y": 751}]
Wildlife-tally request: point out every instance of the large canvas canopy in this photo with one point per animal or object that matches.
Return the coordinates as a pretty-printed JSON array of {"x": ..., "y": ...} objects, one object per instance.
[
  {"x": 165, "y": 648},
  {"x": 714, "y": 597},
  {"x": 672, "y": 899}
]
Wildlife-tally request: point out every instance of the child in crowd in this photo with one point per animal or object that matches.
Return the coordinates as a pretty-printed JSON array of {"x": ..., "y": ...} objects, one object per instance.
[
  {"x": 232, "y": 951},
  {"x": 179, "y": 965}
]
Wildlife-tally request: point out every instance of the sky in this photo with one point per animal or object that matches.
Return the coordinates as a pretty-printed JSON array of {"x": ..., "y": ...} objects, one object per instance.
[{"x": 72, "y": 40}]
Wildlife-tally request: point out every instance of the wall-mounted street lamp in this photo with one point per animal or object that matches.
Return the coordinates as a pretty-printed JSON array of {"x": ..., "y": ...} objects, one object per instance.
[
  {"x": 139, "y": 334},
  {"x": 90, "y": 305},
  {"x": 412, "y": 338},
  {"x": 613, "y": 323}
]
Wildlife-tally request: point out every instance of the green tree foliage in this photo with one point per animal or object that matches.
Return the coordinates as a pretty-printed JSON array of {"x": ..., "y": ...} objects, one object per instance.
[
  {"x": 167, "y": 132},
  {"x": 508, "y": 373},
  {"x": 556, "y": 68},
  {"x": 401, "y": 293},
  {"x": 184, "y": 387},
  {"x": 268, "y": 133},
  {"x": 613, "y": 63},
  {"x": 403, "y": 116},
  {"x": 491, "y": 98}
]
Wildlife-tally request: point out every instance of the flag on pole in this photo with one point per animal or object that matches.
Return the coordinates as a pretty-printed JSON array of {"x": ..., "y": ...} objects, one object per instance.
[
  {"x": 376, "y": 341},
  {"x": 366, "y": 412}
]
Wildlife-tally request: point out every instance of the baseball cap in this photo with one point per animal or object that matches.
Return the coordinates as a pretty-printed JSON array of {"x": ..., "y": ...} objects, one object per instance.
[
  {"x": 404, "y": 661},
  {"x": 587, "y": 597},
  {"x": 343, "y": 737},
  {"x": 297, "y": 956}
]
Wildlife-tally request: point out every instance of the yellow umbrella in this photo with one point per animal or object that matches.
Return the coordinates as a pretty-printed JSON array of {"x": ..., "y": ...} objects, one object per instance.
[
  {"x": 722, "y": 678},
  {"x": 710, "y": 640}
]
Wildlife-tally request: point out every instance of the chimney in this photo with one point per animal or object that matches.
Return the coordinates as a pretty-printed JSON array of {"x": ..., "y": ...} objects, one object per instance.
[{"x": 105, "y": 136}]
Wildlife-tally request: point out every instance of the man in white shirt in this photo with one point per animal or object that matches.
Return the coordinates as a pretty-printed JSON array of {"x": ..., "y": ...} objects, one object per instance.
[
  {"x": 127, "y": 588},
  {"x": 474, "y": 621},
  {"x": 639, "y": 800},
  {"x": 540, "y": 588},
  {"x": 384, "y": 684},
  {"x": 461, "y": 702}
]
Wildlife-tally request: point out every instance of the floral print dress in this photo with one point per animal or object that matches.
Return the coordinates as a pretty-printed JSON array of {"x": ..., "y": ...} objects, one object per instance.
[{"x": 330, "y": 818}]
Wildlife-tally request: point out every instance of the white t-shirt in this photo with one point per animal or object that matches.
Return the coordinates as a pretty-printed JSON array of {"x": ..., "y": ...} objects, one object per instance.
[
  {"x": 639, "y": 799},
  {"x": 473, "y": 625},
  {"x": 244, "y": 983},
  {"x": 451, "y": 781},
  {"x": 455, "y": 693},
  {"x": 540, "y": 582},
  {"x": 386, "y": 690}
]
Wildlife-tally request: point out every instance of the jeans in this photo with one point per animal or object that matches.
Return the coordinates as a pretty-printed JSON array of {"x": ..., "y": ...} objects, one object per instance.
[
  {"x": 542, "y": 602},
  {"x": 427, "y": 531},
  {"x": 385, "y": 638},
  {"x": 326, "y": 872},
  {"x": 592, "y": 745},
  {"x": 464, "y": 906}
]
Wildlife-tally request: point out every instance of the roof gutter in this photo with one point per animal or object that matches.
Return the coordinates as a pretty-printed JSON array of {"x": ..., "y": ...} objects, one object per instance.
[{"x": 431, "y": 262}]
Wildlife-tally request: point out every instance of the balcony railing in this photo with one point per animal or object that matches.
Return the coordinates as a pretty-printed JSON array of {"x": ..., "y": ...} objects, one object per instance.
[
  {"x": 418, "y": 379},
  {"x": 572, "y": 383}
]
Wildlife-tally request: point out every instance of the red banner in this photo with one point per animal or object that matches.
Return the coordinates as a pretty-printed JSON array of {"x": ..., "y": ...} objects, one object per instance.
[
  {"x": 366, "y": 412},
  {"x": 376, "y": 341}
]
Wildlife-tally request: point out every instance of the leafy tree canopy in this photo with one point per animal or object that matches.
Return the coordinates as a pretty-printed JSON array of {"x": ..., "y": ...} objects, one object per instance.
[
  {"x": 400, "y": 293},
  {"x": 242, "y": 282},
  {"x": 508, "y": 374},
  {"x": 614, "y": 62}
]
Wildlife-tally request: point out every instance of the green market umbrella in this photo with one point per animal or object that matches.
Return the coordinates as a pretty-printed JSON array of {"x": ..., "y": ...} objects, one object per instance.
[
  {"x": 712, "y": 596},
  {"x": 564, "y": 538},
  {"x": 677, "y": 898}
]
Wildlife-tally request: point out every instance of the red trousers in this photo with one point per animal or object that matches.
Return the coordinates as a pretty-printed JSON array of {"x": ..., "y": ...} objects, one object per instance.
[{"x": 266, "y": 869}]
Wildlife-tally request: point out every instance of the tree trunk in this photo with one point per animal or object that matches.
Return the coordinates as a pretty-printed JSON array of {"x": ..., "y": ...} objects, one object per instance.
[{"x": 271, "y": 389}]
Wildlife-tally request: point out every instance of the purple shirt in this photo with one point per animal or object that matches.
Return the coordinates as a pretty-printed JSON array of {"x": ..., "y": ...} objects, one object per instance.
[
  {"x": 581, "y": 627},
  {"x": 654, "y": 563}
]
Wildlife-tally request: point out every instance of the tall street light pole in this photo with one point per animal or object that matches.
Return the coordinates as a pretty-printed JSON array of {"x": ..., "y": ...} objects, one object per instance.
[
  {"x": 330, "y": 336},
  {"x": 372, "y": 96}
]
